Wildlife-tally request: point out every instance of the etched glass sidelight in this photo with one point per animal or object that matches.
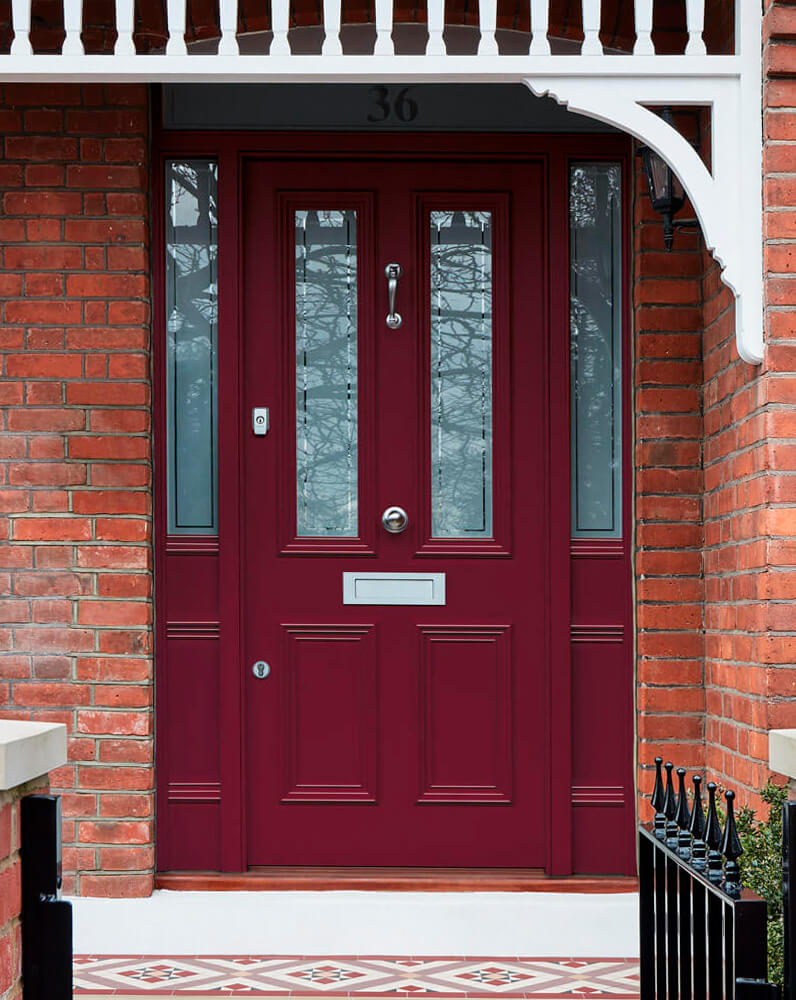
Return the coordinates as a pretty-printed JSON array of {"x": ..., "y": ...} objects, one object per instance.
[
  {"x": 191, "y": 346},
  {"x": 326, "y": 373},
  {"x": 596, "y": 349},
  {"x": 461, "y": 374}
]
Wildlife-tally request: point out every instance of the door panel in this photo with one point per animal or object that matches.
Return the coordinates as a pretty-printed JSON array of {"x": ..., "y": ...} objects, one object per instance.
[
  {"x": 466, "y": 715},
  {"x": 330, "y": 716},
  {"x": 396, "y": 734}
]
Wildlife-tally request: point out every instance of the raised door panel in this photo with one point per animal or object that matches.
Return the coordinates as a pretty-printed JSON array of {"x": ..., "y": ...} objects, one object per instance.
[
  {"x": 465, "y": 714},
  {"x": 330, "y": 716}
]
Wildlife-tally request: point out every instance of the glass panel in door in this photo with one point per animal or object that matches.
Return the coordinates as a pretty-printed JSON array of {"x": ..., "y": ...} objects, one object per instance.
[
  {"x": 326, "y": 372},
  {"x": 461, "y": 374}
]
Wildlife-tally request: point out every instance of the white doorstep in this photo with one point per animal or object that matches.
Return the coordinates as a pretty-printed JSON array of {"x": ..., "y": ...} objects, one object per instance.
[{"x": 478, "y": 924}]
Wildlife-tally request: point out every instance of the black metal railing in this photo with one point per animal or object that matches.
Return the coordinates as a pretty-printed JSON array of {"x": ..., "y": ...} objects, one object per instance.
[{"x": 703, "y": 935}]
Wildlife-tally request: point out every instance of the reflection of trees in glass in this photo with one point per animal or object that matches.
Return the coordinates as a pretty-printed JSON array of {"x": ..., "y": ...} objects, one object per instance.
[
  {"x": 326, "y": 372},
  {"x": 461, "y": 374},
  {"x": 595, "y": 318},
  {"x": 191, "y": 329}
]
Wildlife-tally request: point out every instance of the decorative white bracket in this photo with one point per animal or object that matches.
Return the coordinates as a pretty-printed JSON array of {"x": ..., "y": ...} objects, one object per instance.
[{"x": 728, "y": 199}]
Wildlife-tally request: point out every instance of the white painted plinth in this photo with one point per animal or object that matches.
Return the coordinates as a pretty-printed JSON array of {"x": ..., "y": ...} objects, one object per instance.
[
  {"x": 498, "y": 924},
  {"x": 29, "y": 750},
  {"x": 782, "y": 751}
]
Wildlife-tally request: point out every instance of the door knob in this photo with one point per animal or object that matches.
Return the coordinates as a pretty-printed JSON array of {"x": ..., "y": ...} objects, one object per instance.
[
  {"x": 395, "y": 520},
  {"x": 261, "y": 670}
]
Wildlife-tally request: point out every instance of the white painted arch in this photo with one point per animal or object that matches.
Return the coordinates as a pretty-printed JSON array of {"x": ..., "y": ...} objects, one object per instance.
[{"x": 610, "y": 87}]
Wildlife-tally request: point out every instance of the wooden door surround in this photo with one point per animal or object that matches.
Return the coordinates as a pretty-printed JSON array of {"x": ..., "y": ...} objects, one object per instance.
[{"x": 201, "y": 674}]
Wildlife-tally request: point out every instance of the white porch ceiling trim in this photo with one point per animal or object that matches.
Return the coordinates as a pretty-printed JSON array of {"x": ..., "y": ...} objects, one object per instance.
[{"x": 616, "y": 89}]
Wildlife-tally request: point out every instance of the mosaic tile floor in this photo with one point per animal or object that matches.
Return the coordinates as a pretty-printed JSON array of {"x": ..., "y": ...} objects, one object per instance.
[{"x": 310, "y": 977}]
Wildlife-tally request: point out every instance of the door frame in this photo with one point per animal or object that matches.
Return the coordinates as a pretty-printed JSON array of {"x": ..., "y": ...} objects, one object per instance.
[{"x": 231, "y": 149}]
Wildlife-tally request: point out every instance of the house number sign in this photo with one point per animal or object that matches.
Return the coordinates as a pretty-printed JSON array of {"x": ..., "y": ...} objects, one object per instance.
[{"x": 391, "y": 104}]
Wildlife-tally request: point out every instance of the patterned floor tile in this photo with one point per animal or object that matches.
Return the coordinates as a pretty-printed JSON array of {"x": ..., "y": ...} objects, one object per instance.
[{"x": 311, "y": 977}]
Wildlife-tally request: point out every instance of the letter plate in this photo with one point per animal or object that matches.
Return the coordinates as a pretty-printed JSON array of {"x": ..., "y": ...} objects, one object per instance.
[{"x": 394, "y": 588}]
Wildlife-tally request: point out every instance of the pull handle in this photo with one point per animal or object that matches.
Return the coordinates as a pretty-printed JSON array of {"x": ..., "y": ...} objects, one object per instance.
[{"x": 393, "y": 272}]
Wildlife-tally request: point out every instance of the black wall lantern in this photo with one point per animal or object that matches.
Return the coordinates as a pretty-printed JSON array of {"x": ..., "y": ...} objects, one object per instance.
[{"x": 665, "y": 190}]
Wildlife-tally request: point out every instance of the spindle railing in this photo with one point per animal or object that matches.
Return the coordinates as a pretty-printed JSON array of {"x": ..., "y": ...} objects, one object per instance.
[
  {"x": 537, "y": 14},
  {"x": 703, "y": 935}
]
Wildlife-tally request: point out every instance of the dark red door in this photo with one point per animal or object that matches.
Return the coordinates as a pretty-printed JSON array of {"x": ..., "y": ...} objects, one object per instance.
[{"x": 402, "y": 718}]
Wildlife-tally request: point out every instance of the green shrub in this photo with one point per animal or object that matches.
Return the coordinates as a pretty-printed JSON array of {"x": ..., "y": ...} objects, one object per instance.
[{"x": 761, "y": 867}]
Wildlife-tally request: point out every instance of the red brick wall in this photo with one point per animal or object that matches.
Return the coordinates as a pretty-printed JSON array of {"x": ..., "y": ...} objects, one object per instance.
[
  {"x": 11, "y": 889},
  {"x": 750, "y": 459},
  {"x": 75, "y": 464}
]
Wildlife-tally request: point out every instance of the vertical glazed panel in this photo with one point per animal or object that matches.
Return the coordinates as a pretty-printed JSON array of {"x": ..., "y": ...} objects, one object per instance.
[
  {"x": 192, "y": 349},
  {"x": 596, "y": 355},
  {"x": 466, "y": 716},
  {"x": 326, "y": 373},
  {"x": 461, "y": 374},
  {"x": 330, "y": 714}
]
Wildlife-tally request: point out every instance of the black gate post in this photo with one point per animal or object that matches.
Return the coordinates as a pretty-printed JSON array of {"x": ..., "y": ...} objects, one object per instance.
[
  {"x": 646, "y": 895},
  {"x": 46, "y": 918}
]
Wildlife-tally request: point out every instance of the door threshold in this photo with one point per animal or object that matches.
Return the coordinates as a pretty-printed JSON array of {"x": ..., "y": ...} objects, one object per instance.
[{"x": 283, "y": 878}]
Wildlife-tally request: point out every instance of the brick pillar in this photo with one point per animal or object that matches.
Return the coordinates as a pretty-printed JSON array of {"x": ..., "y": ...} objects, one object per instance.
[
  {"x": 76, "y": 463},
  {"x": 667, "y": 299}
]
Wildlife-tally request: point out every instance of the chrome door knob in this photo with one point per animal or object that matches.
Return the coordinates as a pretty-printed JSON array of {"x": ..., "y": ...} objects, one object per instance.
[{"x": 395, "y": 520}]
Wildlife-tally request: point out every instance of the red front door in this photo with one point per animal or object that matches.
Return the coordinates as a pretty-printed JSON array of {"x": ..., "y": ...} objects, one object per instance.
[{"x": 402, "y": 715}]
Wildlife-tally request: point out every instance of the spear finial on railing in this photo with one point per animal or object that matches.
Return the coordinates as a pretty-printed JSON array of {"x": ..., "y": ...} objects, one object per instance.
[
  {"x": 731, "y": 848},
  {"x": 683, "y": 817},
  {"x": 670, "y": 808},
  {"x": 658, "y": 798},
  {"x": 713, "y": 836},
  {"x": 697, "y": 828}
]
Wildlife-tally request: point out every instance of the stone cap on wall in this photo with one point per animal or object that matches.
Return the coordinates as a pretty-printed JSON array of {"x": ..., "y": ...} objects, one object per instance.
[
  {"x": 782, "y": 751},
  {"x": 29, "y": 750}
]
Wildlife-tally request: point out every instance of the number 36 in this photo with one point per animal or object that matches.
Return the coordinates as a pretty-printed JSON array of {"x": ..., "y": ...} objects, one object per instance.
[{"x": 402, "y": 106}]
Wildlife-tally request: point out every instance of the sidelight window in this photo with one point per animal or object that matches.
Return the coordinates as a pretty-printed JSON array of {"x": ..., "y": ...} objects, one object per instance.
[
  {"x": 192, "y": 346},
  {"x": 596, "y": 349}
]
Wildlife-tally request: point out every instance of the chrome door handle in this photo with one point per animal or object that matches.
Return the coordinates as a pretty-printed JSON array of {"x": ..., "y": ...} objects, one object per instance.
[
  {"x": 394, "y": 520},
  {"x": 393, "y": 272}
]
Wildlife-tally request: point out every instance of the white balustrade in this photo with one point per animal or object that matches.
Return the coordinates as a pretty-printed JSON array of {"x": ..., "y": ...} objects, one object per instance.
[
  {"x": 228, "y": 22},
  {"x": 436, "y": 24},
  {"x": 591, "y": 28},
  {"x": 384, "y": 44},
  {"x": 331, "y": 27},
  {"x": 487, "y": 22},
  {"x": 643, "y": 46},
  {"x": 125, "y": 24},
  {"x": 73, "y": 23},
  {"x": 695, "y": 15},
  {"x": 175, "y": 13},
  {"x": 20, "y": 12},
  {"x": 280, "y": 22},
  {"x": 540, "y": 21}
]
